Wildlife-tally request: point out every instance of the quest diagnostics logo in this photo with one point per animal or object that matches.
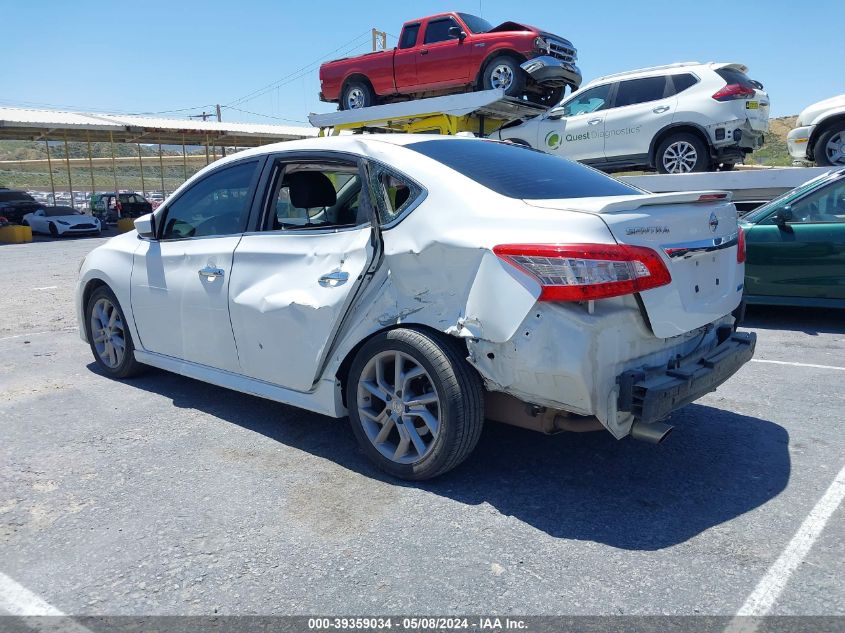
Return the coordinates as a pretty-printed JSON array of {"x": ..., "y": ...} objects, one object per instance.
[{"x": 553, "y": 140}]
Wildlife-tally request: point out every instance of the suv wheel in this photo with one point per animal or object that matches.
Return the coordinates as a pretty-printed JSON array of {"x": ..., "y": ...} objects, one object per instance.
[
  {"x": 504, "y": 72},
  {"x": 681, "y": 153},
  {"x": 830, "y": 147},
  {"x": 415, "y": 404}
]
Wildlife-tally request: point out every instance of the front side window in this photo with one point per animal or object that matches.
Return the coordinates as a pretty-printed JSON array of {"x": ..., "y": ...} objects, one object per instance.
[
  {"x": 216, "y": 205},
  {"x": 591, "y": 100},
  {"x": 393, "y": 193},
  {"x": 633, "y": 91},
  {"x": 516, "y": 171},
  {"x": 438, "y": 30},
  {"x": 825, "y": 205},
  {"x": 314, "y": 195},
  {"x": 409, "y": 36}
]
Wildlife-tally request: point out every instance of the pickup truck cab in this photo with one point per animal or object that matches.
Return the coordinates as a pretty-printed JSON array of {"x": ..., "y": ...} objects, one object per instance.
[{"x": 455, "y": 52}]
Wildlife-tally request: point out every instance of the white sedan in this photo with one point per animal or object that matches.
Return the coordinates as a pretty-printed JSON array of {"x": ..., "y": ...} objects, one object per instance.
[
  {"x": 57, "y": 221},
  {"x": 420, "y": 284}
]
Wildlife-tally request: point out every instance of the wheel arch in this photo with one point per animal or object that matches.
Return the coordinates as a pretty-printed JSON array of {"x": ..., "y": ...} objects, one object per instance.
[
  {"x": 342, "y": 373},
  {"x": 820, "y": 128},
  {"x": 677, "y": 128},
  {"x": 507, "y": 52},
  {"x": 356, "y": 76}
]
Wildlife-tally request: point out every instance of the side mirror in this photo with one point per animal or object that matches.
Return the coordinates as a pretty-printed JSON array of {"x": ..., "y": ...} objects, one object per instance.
[
  {"x": 783, "y": 216},
  {"x": 456, "y": 31},
  {"x": 145, "y": 225},
  {"x": 556, "y": 113}
]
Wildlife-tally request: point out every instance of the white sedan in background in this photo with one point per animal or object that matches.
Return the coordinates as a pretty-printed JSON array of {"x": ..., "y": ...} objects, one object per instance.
[
  {"x": 58, "y": 221},
  {"x": 420, "y": 284}
]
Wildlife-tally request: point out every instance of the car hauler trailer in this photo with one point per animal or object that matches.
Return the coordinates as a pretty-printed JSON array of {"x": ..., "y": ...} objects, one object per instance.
[{"x": 478, "y": 112}]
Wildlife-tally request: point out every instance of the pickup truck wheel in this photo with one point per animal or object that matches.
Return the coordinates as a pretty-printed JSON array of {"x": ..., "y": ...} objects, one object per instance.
[
  {"x": 681, "y": 153},
  {"x": 357, "y": 94},
  {"x": 415, "y": 404},
  {"x": 829, "y": 150},
  {"x": 504, "y": 72}
]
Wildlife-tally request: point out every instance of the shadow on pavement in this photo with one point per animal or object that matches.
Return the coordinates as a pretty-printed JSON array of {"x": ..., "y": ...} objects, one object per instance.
[
  {"x": 716, "y": 466},
  {"x": 810, "y": 321}
]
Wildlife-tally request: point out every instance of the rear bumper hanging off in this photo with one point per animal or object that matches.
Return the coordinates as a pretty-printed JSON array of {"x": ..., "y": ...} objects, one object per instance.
[{"x": 652, "y": 395}]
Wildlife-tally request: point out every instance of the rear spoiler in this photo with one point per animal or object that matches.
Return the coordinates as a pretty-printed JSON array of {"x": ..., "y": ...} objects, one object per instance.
[{"x": 654, "y": 199}]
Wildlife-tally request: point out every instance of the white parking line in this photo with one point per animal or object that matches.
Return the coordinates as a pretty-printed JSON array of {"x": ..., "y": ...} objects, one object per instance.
[
  {"x": 768, "y": 590},
  {"x": 17, "y": 600},
  {"x": 783, "y": 362}
]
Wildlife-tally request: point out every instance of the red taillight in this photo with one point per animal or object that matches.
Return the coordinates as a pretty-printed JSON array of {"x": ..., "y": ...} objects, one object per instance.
[
  {"x": 740, "y": 247},
  {"x": 734, "y": 91},
  {"x": 580, "y": 272}
]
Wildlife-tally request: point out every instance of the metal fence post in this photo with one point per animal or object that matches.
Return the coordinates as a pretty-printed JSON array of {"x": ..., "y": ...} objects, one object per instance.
[
  {"x": 50, "y": 170},
  {"x": 67, "y": 164}
]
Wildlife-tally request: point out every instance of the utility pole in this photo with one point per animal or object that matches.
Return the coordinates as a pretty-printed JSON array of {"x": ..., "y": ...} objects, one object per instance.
[
  {"x": 220, "y": 120},
  {"x": 379, "y": 35}
]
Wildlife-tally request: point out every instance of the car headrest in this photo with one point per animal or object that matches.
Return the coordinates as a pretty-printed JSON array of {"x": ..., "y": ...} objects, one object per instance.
[{"x": 309, "y": 189}]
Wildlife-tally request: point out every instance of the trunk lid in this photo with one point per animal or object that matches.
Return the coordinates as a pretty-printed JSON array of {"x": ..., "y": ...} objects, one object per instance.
[{"x": 697, "y": 240}]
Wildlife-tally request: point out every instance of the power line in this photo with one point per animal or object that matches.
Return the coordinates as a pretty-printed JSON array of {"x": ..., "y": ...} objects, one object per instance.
[
  {"x": 269, "y": 116},
  {"x": 261, "y": 91}
]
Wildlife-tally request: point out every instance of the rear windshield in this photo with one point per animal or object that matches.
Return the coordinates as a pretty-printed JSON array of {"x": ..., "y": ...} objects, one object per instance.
[
  {"x": 516, "y": 171},
  {"x": 11, "y": 196},
  {"x": 732, "y": 76}
]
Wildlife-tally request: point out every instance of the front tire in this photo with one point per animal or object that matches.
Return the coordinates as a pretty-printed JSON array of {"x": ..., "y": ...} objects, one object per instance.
[
  {"x": 415, "y": 404},
  {"x": 357, "y": 94},
  {"x": 504, "y": 72},
  {"x": 53, "y": 230},
  {"x": 109, "y": 336},
  {"x": 829, "y": 150},
  {"x": 681, "y": 154}
]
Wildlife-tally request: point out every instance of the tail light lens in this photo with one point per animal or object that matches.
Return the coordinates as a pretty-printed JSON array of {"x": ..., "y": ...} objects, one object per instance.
[
  {"x": 581, "y": 272},
  {"x": 734, "y": 91},
  {"x": 740, "y": 247}
]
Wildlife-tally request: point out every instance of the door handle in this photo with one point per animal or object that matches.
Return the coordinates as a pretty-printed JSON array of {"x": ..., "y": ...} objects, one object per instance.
[
  {"x": 660, "y": 109},
  {"x": 209, "y": 272},
  {"x": 333, "y": 279},
  {"x": 424, "y": 51},
  {"x": 594, "y": 122}
]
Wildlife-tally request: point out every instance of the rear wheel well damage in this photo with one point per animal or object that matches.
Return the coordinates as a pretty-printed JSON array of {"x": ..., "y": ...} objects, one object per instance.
[
  {"x": 342, "y": 374},
  {"x": 682, "y": 128}
]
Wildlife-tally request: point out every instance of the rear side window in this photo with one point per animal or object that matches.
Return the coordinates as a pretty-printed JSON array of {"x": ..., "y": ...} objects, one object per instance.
[
  {"x": 635, "y": 91},
  {"x": 394, "y": 193},
  {"x": 519, "y": 172},
  {"x": 438, "y": 30},
  {"x": 409, "y": 36},
  {"x": 732, "y": 76},
  {"x": 682, "y": 82}
]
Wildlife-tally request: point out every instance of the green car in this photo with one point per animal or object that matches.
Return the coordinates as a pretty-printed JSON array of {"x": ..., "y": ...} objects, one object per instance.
[{"x": 795, "y": 246}]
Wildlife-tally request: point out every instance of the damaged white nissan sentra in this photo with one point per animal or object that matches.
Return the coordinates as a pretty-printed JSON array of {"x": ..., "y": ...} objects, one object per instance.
[{"x": 419, "y": 284}]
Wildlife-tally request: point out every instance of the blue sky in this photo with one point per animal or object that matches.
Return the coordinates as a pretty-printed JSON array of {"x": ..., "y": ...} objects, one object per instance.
[{"x": 155, "y": 56}]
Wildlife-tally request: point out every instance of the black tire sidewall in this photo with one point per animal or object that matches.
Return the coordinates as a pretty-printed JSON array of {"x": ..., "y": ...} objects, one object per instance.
[
  {"x": 703, "y": 162},
  {"x": 347, "y": 88},
  {"x": 820, "y": 148},
  {"x": 433, "y": 463},
  {"x": 53, "y": 230},
  {"x": 128, "y": 366},
  {"x": 518, "y": 84}
]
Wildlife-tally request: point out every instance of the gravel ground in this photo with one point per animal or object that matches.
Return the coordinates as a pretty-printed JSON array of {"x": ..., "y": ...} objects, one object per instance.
[{"x": 164, "y": 495}]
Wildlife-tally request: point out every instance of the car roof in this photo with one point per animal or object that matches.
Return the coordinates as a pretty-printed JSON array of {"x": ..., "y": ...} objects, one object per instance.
[{"x": 666, "y": 69}]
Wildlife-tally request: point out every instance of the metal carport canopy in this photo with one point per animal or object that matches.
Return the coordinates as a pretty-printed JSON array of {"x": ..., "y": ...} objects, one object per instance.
[{"x": 54, "y": 125}]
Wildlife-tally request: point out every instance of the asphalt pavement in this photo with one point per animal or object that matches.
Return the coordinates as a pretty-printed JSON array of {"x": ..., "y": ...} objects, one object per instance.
[{"x": 164, "y": 495}]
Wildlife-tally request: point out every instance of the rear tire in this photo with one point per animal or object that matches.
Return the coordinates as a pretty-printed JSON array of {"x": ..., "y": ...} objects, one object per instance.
[
  {"x": 504, "y": 72},
  {"x": 109, "y": 336},
  {"x": 727, "y": 166},
  {"x": 829, "y": 150},
  {"x": 681, "y": 153},
  {"x": 423, "y": 423},
  {"x": 357, "y": 94}
]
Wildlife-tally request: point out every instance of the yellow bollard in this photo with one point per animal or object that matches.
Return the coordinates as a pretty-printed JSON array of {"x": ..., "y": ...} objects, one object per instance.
[
  {"x": 125, "y": 224},
  {"x": 13, "y": 234}
]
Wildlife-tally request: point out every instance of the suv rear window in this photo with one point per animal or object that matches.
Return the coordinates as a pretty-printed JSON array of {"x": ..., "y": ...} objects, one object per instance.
[
  {"x": 732, "y": 76},
  {"x": 11, "y": 196},
  {"x": 516, "y": 171}
]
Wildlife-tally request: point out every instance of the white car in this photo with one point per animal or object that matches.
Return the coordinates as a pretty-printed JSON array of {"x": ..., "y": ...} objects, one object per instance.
[
  {"x": 820, "y": 135},
  {"x": 676, "y": 118},
  {"x": 419, "y": 284},
  {"x": 58, "y": 221}
]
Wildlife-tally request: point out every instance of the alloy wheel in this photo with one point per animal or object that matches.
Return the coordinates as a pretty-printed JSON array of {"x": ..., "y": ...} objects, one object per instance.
[
  {"x": 680, "y": 158},
  {"x": 835, "y": 149},
  {"x": 501, "y": 77},
  {"x": 108, "y": 334},
  {"x": 355, "y": 99},
  {"x": 399, "y": 407}
]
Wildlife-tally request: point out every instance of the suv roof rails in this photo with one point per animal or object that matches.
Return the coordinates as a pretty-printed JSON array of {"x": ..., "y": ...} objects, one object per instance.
[{"x": 646, "y": 70}]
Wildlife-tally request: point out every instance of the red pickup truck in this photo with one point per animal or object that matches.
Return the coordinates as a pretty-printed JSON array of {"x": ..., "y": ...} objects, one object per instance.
[{"x": 455, "y": 52}]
